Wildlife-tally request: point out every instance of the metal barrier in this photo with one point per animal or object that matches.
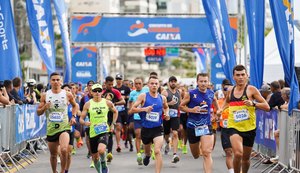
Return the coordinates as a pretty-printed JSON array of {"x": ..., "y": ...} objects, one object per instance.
[
  {"x": 19, "y": 127},
  {"x": 294, "y": 142}
]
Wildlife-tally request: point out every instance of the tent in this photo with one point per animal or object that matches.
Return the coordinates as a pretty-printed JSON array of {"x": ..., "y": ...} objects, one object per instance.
[{"x": 273, "y": 69}]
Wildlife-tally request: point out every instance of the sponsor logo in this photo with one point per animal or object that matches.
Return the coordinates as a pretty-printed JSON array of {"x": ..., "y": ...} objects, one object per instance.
[
  {"x": 3, "y": 37},
  {"x": 162, "y": 31}
]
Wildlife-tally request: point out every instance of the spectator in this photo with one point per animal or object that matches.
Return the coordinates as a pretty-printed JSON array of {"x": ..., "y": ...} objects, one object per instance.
[
  {"x": 4, "y": 98},
  {"x": 29, "y": 93},
  {"x": 282, "y": 83},
  {"x": 276, "y": 99},
  {"x": 14, "y": 92},
  {"x": 8, "y": 86},
  {"x": 38, "y": 91},
  {"x": 265, "y": 91}
]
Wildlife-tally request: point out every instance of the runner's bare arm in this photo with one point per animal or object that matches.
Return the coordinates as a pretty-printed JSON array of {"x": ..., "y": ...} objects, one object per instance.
[
  {"x": 83, "y": 114},
  {"x": 113, "y": 109},
  {"x": 75, "y": 107},
  {"x": 43, "y": 106},
  {"x": 140, "y": 100},
  {"x": 260, "y": 103},
  {"x": 166, "y": 108},
  {"x": 217, "y": 106},
  {"x": 121, "y": 101}
]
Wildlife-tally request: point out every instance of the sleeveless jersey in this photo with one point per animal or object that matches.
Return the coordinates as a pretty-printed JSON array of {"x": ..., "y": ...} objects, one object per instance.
[
  {"x": 241, "y": 117},
  {"x": 70, "y": 116},
  {"x": 57, "y": 114},
  {"x": 224, "y": 118},
  {"x": 204, "y": 101},
  {"x": 154, "y": 118},
  {"x": 98, "y": 117},
  {"x": 173, "y": 109}
]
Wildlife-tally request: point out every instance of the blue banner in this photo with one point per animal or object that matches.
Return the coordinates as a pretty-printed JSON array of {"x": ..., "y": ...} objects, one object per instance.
[
  {"x": 140, "y": 29},
  {"x": 266, "y": 124},
  {"x": 9, "y": 51},
  {"x": 84, "y": 64},
  {"x": 217, "y": 17},
  {"x": 29, "y": 125},
  {"x": 61, "y": 13},
  {"x": 255, "y": 13},
  {"x": 283, "y": 20},
  {"x": 40, "y": 21},
  {"x": 217, "y": 73},
  {"x": 201, "y": 60}
]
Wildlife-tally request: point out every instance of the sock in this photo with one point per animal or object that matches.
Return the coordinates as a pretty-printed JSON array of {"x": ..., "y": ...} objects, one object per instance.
[
  {"x": 98, "y": 166},
  {"x": 231, "y": 170},
  {"x": 103, "y": 160}
]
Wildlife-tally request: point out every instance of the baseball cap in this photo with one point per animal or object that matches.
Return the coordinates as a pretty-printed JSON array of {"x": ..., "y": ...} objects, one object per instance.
[
  {"x": 96, "y": 86},
  {"x": 226, "y": 82},
  {"x": 265, "y": 88},
  {"x": 172, "y": 78},
  {"x": 119, "y": 76},
  {"x": 90, "y": 82}
]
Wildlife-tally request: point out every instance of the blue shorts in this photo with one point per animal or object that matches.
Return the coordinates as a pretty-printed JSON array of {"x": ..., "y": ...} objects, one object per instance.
[{"x": 137, "y": 124}]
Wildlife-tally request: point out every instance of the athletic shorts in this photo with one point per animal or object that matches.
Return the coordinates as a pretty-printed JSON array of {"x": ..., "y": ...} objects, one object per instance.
[
  {"x": 55, "y": 138},
  {"x": 148, "y": 134},
  {"x": 137, "y": 124},
  {"x": 183, "y": 119},
  {"x": 95, "y": 141},
  {"x": 71, "y": 138},
  {"x": 225, "y": 141},
  {"x": 248, "y": 137},
  {"x": 173, "y": 124},
  {"x": 191, "y": 136},
  {"x": 130, "y": 119},
  {"x": 87, "y": 132},
  {"x": 122, "y": 117}
]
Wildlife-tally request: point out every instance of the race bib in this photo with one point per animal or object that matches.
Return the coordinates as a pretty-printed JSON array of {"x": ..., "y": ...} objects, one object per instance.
[
  {"x": 241, "y": 115},
  {"x": 136, "y": 116},
  {"x": 56, "y": 117},
  {"x": 100, "y": 128},
  {"x": 120, "y": 108},
  {"x": 173, "y": 113},
  {"x": 202, "y": 130},
  {"x": 152, "y": 116},
  {"x": 225, "y": 123}
]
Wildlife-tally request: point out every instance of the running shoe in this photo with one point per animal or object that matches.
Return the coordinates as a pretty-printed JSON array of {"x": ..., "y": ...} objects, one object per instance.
[
  {"x": 139, "y": 159},
  {"x": 118, "y": 149},
  {"x": 131, "y": 148},
  {"x": 179, "y": 144},
  {"x": 73, "y": 151},
  {"x": 92, "y": 165},
  {"x": 109, "y": 157},
  {"x": 79, "y": 143},
  {"x": 146, "y": 160},
  {"x": 88, "y": 156},
  {"x": 167, "y": 149},
  {"x": 175, "y": 158},
  {"x": 184, "y": 149},
  {"x": 152, "y": 154}
]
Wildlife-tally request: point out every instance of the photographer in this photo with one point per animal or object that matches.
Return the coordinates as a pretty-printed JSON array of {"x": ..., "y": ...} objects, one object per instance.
[
  {"x": 4, "y": 99},
  {"x": 29, "y": 92}
]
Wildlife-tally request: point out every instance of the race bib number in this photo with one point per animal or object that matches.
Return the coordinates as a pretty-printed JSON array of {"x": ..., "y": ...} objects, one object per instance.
[
  {"x": 100, "y": 128},
  {"x": 225, "y": 123},
  {"x": 152, "y": 116},
  {"x": 173, "y": 113},
  {"x": 56, "y": 117},
  {"x": 120, "y": 108},
  {"x": 241, "y": 115},
  {"x": 202, "y": 130}
]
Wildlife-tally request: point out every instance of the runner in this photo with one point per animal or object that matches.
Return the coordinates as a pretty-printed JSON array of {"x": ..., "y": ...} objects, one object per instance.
[
  {"x": 243, "y": 99},
  {"x": 136, "y": 123},
  {"x": 54, "y": 104},
  {"x": 173, "y": 98},
  {"x": 123, "y": 114},
  {"x": 98, "y": 108},
  {"x": 183, "y": 120},
  {"x": 152, "y": 104},
  {"x": 113, "y": 95},
  {"x": 197, "y": 104}
]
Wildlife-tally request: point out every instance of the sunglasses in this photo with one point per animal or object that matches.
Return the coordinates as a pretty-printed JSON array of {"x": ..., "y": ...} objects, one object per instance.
[
  {"x": 97, "y": 90},
  {"x": 55, "y": 79}
]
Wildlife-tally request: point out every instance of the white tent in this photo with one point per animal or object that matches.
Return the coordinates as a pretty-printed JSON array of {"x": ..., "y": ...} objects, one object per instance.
[{"x": 273, "y": 68}]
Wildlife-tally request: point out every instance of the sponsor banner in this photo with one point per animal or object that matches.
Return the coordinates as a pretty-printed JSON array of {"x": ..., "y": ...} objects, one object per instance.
[
  {"x": 201, "y": 59},
  {"x": 266, "y": 124},
  {"x": 155, "y": 59},
  {"x": 9, "y": 51},
  {"x": 140, "y": 29},
  {"x": 283, "y": 20},
  {"x": 217, "y": 17},
  {"x": 41, "y": 26},
  {"x": 61, "y": 13},
  {"x": 255, "y": 13},
  {"x": 84, "y": 64},
  {"x": 29, "y": 125},
  {"x": 217, "y": 73}
]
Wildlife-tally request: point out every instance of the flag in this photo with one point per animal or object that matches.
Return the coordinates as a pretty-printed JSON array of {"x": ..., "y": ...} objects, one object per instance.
[
  {"x": 200, "y": 55},
  {"x": 41, "y": 26},
  {"x": 9, "y": 51},
  {"x": 217, "y": 16},
  {"x": 60, "y": 8},
  {"x": 283, "y": 19},
  {"x": 255, "y": 13}
]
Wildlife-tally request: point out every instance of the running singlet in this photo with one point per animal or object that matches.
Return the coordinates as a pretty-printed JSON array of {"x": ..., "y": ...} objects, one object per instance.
[
  {"x": 224, "y": 118},
  {"x": 241, "y": 117},
  {"x": 154, "y": 118},
  {"x": 173, "y": 109},
  {"x": 70, "y": 116},
  {"x": 132, "y": 98},
  {"x": 98, "y": 117},
  {"x": 57, "y": 114},
  {"x": 204, "y": 102}
]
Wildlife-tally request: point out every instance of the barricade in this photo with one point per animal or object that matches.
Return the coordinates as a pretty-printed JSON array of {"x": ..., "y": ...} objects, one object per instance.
[
  {"x": 294, "y": 137},
  {"x": 19, "y": 126}
]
